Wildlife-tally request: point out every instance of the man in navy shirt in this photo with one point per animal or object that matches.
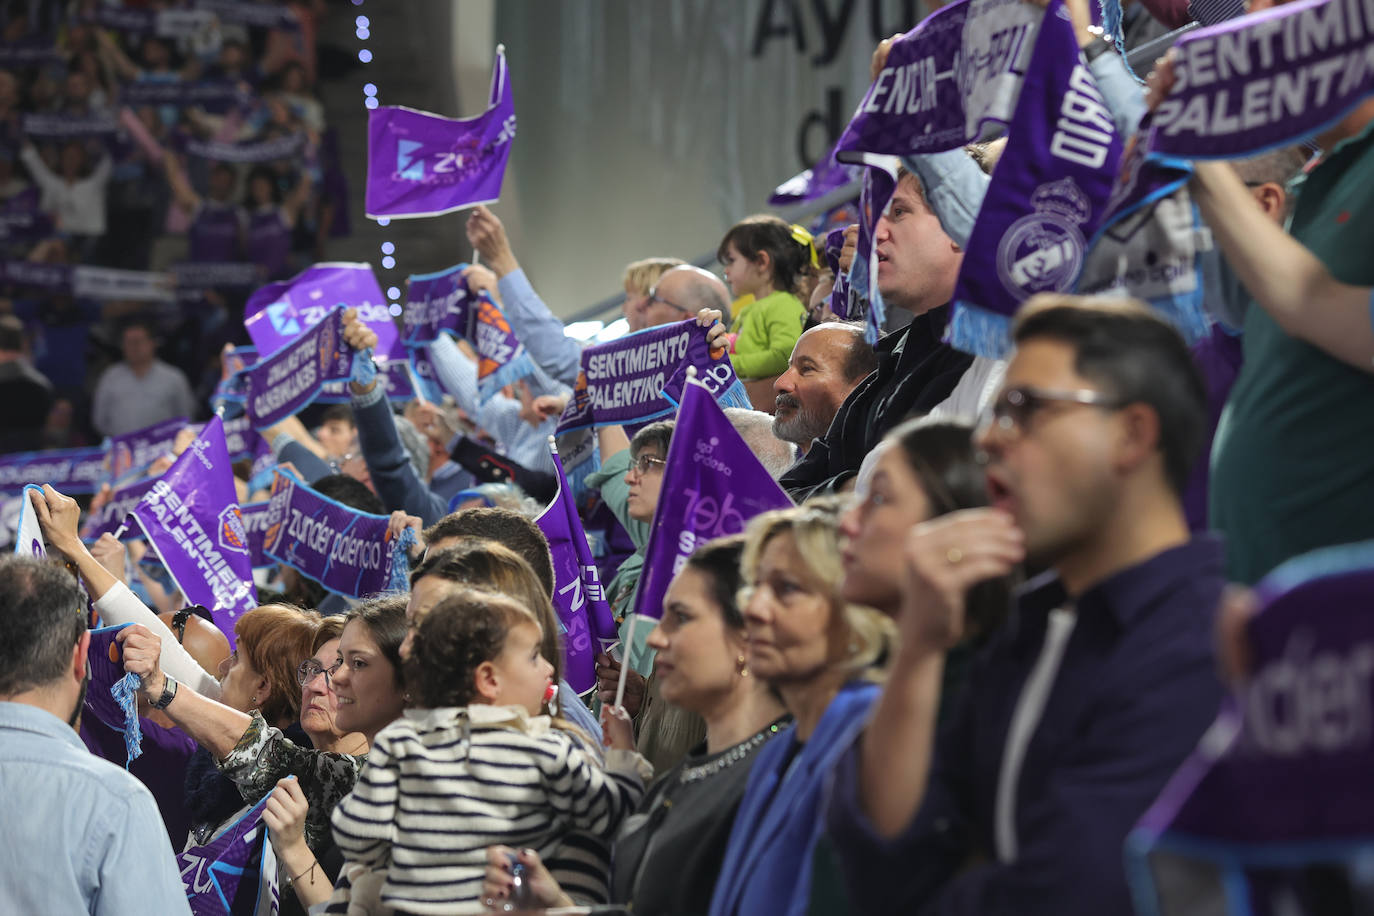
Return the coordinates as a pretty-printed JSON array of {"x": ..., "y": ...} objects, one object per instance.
[{"x": 1080, "y": 709}]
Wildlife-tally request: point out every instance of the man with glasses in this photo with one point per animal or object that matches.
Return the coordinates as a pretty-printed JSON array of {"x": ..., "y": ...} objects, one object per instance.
[
  {"x": 1101, "y": 683},
  {"x": 83, "y": 836}
]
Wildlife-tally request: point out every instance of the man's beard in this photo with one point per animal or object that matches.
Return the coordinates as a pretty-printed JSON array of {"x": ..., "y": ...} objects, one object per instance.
[{"x": 802, "y": 427}]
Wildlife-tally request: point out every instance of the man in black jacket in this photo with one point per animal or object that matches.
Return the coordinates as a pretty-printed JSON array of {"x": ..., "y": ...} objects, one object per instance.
[{"x": 917, "y": 268}]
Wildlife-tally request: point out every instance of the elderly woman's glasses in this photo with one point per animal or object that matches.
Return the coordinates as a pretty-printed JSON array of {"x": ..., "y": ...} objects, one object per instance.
[
  {"x": 646, "y": 463},
  {"x": 310, "y": 669}
]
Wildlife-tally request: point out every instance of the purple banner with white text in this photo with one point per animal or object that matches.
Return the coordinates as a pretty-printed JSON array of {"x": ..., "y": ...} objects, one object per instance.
[
  {"x": 278, "y": 313},
  {"x": 422, "y": 164},
  {"x": 191, "y": 518},
  {"x": 229, "y": 876},
  {"x": 640, "y": 377},
  {"x": 1270, "y": 815},
  {"x": 285, "y": 382},
  {"x": 1046, "y": 198},
  {"x": 109, "y": 517},
  {"x": 70, "y": 471},
  {"x": 348, "y": 552},
  {"x": 712, "y": 485},
  {"x": 578, "y": 595},
  {"x": 138, "y": 448}
]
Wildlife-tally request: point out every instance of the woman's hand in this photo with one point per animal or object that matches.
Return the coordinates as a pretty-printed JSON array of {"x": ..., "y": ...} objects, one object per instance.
[
  {"x": 850, "y": 248},
  {"x": 285, "y": 816},
  {"x": 400, "y": 521},
  {"x": 543, "y": 889},
  {"x": 617, "y": 729},
  {"x": 143, "y": 657},
  {"x": 481, "y": 280},
  {"x": 945, "y": 557},
  {"x": 356, "y": 334}
]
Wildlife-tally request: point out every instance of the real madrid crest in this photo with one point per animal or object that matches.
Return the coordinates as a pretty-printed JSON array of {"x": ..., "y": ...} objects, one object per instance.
[{"x": 1043, "y": 251}]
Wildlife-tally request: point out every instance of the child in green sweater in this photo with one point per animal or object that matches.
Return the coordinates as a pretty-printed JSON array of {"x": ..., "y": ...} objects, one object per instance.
[{"x": 766, "y": 258}]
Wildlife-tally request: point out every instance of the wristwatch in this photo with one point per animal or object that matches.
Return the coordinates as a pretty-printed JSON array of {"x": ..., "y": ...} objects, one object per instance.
[
  {"x": 169, "y": 690},
  {"x": 1102, "y": 44}
]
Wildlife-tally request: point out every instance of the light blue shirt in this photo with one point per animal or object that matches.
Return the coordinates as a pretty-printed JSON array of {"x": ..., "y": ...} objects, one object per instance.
[
  {"x": 524, "y": 444},
  {"x": 84, "y": 836},
  {"x": 539, "y": 329}
]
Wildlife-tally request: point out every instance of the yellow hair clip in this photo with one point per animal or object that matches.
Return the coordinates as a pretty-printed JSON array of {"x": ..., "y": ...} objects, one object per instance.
[{"x": 802, "y": 237}]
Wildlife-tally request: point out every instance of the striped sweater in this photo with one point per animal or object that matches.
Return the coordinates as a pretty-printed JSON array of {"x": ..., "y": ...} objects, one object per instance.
[{"x": 441, "y": 785}]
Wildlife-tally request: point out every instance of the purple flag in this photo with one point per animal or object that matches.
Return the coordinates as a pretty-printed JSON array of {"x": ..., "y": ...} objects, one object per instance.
[
  {"x": 230, "y": 875},
  {"x": 255, "y": 522},
  {"x": 712, "y": 485},
  {"x": 71, "y": 470},
  {"x": 220, "y": 93},
  {"x": 1278, "y": 783},
  {"x": 138, "y": 448},
  {"x": 422, "y": 164},
  {"x": 278, "y": 313},
  {"x": 347, "y": 551},
  {"x": 1046, "y": 198},
  {"x": 578, "y": 596},
  {"x": 191, "y": 519},
  {"x": 285, "y": 382},
  {"x": 640, "y": 377},
  {"x": 1266, "y": 80},
  {"x": 111, "y": 693},
  {"x": 111, "y": 516},
  {"x": 951, "y": 80}
]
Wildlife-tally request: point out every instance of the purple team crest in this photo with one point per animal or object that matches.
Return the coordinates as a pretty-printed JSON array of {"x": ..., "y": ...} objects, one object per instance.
[
  {"x": 422, "y": 164},
  {"x": 232, "y": 534}
]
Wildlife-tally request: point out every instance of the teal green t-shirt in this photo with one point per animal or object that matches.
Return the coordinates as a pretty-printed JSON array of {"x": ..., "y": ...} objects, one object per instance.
[{"x": 1293, "y": 459}]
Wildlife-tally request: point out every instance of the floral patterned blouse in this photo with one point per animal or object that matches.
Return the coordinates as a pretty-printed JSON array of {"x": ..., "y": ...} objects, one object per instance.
[{"x": 264, "y": 755}]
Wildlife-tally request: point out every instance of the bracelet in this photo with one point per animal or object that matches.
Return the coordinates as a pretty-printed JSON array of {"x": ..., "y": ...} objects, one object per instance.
[{"x": 309, "y": 871}]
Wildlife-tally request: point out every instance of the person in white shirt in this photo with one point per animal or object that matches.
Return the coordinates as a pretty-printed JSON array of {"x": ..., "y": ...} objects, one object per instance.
[{"x": 140, "y": 390}]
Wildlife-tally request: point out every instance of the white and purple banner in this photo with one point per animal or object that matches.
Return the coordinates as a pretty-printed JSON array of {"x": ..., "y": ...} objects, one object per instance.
[
  {"x": 70, "y": 471},
  {"x": 1047, "y": 196},
  {"x": 1265, "y": 80},
  {"x": 579, "y": 599},
  {"x": 285, "y": 382},
  {"x": 191, "y": 518},
  {"x": 263, "y": 15},
  {"x": 348, "y": 552},
  {"x": 257, "y": 151},
  {"x": 1276, "y": 791},
  {"x": 640, "y": 377},
  {"x": 235, "y": 874},
  {"x": 137, "y": 449},
  {"x": 181, "y": 93},
  {"x": 421, "y": 164},
  {"x": 67, "y": 126},
  {"x": 712, "y": 486},
  {"x": 28, "y": 538},
  {"x": 278, "y": 313},
  {"x": 952, "y": 80},
  {"x": 440, "y": 303}
]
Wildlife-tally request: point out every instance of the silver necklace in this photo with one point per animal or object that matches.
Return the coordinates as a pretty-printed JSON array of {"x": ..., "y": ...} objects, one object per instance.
[{"x": 729, "y": 758}]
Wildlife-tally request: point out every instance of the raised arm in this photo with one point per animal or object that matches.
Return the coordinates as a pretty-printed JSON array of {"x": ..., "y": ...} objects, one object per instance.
[
  {"x": 58, "y": 517},
  {"x": 185, "y": 195},
  {"x": 214, "y": 726},
  {"x": 296, "y": 200}
]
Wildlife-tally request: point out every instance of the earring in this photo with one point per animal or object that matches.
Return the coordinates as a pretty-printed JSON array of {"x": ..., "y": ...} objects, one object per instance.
[
  {"x": 255, "y": 699},
  {"x": 407, "y": 696},
  {"x": 742, "y": 665}
]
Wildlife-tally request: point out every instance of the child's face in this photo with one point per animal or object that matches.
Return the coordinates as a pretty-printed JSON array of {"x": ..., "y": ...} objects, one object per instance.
[
  {"x": 744, "y": 276},
  {"x": 523, "y": 674}
]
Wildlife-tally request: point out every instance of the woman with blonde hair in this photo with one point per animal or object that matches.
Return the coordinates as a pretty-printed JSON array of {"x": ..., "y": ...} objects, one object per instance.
[{"x": 824, "y": 656}]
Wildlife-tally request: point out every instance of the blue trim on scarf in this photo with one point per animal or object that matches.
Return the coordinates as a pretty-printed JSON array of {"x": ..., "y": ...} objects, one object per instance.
[
  {"x": 125, "y": 693},
  {"x": 978, "y": 331}
]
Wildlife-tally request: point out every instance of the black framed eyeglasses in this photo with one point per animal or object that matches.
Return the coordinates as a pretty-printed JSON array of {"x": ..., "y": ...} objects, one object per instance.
[
  {"x": 655, "y": 297},
  {"x": 646, "y": 463},
  {"x": 310, "y": 669},
  {"x": 1015, "y": 407}
]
